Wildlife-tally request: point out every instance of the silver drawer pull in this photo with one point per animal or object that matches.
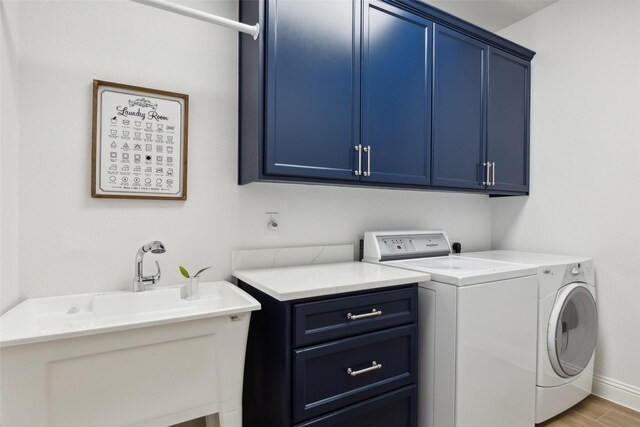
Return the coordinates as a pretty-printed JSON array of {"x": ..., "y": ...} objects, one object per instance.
[
  {"x": 359, "y": 151},
  {"x": 367, "y": 150},
  {"x": 488, "y": 181},
  {"x": 494, "y": 174},
  {"x": 374, "y": 367},
  {"x": 373, "y": 313}
]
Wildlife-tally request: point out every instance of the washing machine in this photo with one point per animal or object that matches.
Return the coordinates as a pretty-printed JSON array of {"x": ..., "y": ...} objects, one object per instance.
[
  {"x": 567, "y": 327},
  {"x": 477, "y": 331}
]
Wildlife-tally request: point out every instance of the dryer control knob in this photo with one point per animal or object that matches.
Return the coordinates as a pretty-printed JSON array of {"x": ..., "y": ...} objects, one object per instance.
[{"x": 575, "y": 271}]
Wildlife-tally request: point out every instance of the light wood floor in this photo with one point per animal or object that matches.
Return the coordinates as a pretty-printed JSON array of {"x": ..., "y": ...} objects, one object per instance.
[{"x": 595, "y": 411}]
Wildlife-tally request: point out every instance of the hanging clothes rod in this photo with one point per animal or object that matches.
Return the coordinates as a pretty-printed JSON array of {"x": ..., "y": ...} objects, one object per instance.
[{"x": 253, "y": 30}]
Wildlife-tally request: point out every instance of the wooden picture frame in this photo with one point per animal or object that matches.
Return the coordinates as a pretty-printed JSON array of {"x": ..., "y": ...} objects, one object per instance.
[{"x": 139, "y": 142}]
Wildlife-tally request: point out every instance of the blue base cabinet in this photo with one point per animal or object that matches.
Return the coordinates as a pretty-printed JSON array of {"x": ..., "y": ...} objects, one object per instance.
[
  {"x": 308, "y": 364},
  {"x": 386, "y": 93}
]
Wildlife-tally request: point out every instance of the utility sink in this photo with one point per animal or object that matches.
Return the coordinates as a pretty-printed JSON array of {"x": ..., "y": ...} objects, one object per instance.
[
  {"x": 149, "y": 358},
  {"x": 43, "y": 319}
]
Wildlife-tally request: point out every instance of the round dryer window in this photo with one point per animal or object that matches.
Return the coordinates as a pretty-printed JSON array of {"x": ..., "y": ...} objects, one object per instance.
[{"x": 573, "y": 328}]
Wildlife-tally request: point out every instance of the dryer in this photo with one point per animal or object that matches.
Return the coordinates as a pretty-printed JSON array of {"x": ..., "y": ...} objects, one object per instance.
[
  {"x": 477, "y": 331},
  {"x": 567, "y": 327}
]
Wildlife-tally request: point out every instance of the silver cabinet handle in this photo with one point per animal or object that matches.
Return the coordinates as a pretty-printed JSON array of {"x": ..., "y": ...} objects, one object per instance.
[
  {"x": 358, "y": 148},
  {"x": 373, "y": 313},
  {"x": 494, "y": 174},
  {"x": 488, "y": 165},
  {"x": 374, "y": 367},
  {"x": 367, "y": 150}
]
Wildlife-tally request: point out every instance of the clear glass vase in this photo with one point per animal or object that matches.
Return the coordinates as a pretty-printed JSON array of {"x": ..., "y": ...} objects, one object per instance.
[{"x": 193, "y": 289}]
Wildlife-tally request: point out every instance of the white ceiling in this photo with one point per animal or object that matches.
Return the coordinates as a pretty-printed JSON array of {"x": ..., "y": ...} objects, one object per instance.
[{"x": 493, "y": 15}]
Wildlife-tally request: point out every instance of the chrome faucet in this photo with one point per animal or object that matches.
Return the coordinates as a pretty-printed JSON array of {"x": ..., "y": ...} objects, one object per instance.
[{"x": 140, "y": 282}]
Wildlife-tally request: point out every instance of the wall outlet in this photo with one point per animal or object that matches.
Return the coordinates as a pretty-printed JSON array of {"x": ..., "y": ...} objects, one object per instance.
[
  {"x": 272, "y": 223},
  {"x": 453, "y": 240}
]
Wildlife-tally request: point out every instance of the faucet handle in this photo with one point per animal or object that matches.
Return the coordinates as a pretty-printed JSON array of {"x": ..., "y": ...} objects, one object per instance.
[{"x": 156, "y": 277}]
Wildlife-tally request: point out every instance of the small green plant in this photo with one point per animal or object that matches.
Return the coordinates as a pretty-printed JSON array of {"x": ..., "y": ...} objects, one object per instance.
[{"x": 185, "y": 273}]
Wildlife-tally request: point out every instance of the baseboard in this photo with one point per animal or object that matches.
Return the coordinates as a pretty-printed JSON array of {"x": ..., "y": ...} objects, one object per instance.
[{"x": 616, "y": 391}]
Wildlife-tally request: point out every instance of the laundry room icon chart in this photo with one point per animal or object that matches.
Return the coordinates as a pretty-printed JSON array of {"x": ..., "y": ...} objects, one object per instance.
[{"x": 124, "y": 115}]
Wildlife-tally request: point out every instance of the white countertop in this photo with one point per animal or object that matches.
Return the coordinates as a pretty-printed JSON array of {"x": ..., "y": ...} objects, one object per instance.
[{"x": 289, "y": 283}]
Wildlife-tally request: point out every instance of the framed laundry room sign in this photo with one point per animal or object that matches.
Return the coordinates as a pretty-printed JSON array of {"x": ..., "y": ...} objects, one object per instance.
[{"x": 139, "y": 143}]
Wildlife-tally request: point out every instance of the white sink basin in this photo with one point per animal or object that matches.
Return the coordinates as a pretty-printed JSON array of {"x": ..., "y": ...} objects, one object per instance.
[
  {"x": 43, "y": 319},
  {"x": 125, "y": 359}
]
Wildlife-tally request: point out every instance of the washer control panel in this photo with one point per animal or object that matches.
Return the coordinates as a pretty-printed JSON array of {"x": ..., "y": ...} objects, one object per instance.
[
  {"x": 388, "y": 246},
  {"x": 399, "y": 245}
]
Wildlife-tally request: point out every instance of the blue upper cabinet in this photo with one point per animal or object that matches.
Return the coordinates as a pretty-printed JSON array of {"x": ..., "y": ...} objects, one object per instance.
[
  {"x": 396, "y": 95},
  {"x": 391, "y": 93},
  {"x": 508, "y": 122},
  {"x": 480, "y": 116},
  {"x": 460, "y": 71},
  {"x": 312, "y": 89}
]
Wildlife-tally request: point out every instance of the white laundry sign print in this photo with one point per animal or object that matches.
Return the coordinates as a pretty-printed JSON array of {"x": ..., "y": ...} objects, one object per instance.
[{"x": 154, "y": 115}]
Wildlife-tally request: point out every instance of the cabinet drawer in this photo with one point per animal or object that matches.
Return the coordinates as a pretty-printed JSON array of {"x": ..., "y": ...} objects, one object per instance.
[
  {"x": 394, "y": 409},
  {"x": 341, "y": 317},
  {"x": 339, "y": 373}
]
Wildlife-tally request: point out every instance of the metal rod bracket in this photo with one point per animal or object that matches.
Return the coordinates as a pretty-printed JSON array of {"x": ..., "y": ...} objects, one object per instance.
[{"x": 253, "y": 30}]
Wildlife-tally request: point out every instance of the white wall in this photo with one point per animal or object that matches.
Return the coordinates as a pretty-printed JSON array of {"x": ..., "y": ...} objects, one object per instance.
[
  {"x": 585, "y": 157},
  {"x": 72, "y": 243},
  {"x": 9, "y": 131}
]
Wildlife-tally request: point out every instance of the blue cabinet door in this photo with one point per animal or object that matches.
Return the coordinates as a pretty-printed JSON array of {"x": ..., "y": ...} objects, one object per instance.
[
  {"x": 393, "y": 409},
  {"x": 313, "y": 75},
  {"x": 458, "y": 110},
  {"x": 396, "y": 95},
  {"x": 508, "y": 121},
  {"x": 323, "y": 381}
]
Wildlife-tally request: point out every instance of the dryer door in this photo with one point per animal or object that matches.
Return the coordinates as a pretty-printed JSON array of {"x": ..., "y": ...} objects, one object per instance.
[{"x": 573, "y": 328}]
